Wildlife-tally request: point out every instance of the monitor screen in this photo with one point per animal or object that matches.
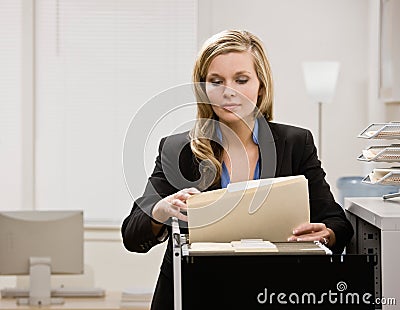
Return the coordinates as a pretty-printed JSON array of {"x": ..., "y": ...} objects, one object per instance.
[{"x": 55, "y": 234}]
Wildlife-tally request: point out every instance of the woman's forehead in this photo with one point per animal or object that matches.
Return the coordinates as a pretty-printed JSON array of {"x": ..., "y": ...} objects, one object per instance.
[{"x": 232, "y": 62}]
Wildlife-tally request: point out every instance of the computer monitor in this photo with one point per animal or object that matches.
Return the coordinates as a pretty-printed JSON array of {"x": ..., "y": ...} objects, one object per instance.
[{"x": 38, "y": 244}]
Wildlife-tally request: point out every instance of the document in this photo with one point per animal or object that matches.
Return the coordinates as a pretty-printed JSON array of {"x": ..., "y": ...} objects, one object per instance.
[
  {"x": 266, "y": 209},
  {"x": 371, "y": 153}
]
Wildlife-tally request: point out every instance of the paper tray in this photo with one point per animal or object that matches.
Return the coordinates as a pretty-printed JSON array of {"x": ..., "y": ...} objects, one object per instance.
[
  {"x": 390, "y": 178},
  {"x": 381, "y": 131},
  {"x": 384, "y": 153}
]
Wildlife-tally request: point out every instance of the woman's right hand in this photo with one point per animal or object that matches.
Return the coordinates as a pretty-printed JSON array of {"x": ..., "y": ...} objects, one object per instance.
[{"x": 173, "y": 205}]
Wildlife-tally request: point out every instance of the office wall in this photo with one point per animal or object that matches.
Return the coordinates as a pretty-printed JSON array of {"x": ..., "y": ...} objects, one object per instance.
[{"x": 115, "y": 268}]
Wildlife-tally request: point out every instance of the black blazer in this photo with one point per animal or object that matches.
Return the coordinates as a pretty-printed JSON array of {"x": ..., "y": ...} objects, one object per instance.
[{"x": 177, "y": 168}]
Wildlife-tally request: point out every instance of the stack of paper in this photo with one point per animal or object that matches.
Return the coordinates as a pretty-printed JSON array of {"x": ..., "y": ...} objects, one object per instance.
[
  {"x": 243, "y": 246},
  {"x": 254, "y": 245},
  {"x": 211, "y": 247},
  {"x": 136, "y": 298}
]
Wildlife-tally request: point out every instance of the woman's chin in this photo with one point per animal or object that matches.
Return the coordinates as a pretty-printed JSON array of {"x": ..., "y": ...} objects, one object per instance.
[{"x": 230, "y": 118}]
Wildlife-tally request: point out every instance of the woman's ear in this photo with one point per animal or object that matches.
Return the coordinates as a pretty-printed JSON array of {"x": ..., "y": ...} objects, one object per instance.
[{"x": 261, "y": 91}]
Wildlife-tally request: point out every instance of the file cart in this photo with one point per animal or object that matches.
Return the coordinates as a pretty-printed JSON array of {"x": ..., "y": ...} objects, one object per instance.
[{"x": 299, "y": 275}]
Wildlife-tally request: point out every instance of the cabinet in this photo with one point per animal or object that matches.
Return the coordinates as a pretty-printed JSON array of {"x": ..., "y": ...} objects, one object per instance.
[{"x": 377, "y": 232}]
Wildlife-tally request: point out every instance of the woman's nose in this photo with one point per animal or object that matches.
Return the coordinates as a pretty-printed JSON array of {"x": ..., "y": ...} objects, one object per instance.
[{"x": 229, "y": 91}]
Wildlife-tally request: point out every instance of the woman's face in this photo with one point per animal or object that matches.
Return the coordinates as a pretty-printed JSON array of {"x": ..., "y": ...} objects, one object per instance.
[{"x": 232, "y": 86}]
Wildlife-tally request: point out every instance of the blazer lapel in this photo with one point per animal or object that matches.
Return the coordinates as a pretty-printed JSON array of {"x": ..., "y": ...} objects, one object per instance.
[{"x": 271, "y": 149}]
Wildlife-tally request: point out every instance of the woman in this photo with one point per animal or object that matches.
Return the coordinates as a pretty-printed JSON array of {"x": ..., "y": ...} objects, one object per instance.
[{"x": 233, "y": 140}]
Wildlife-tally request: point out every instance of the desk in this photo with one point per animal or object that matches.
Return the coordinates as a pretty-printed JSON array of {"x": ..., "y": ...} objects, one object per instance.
[
  {"x": 112, "y": 301},
  {"x": 377, "y": 225}
]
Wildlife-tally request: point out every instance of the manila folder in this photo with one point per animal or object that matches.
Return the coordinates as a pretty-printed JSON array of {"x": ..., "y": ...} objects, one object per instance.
[{"x": 266, "y": 209}]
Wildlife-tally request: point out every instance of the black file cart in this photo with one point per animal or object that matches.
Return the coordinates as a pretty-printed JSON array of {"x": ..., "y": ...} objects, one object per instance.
[{"x": 298, "y": 276}]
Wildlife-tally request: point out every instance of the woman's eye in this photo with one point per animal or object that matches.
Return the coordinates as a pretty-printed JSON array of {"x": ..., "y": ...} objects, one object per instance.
[
  {"x": 242, "y": 81},
  {"x": 216, "y": 82}
]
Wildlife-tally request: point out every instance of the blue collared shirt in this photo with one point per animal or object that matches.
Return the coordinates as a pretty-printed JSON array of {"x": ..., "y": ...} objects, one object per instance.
[{"x": 225, "y": 178}]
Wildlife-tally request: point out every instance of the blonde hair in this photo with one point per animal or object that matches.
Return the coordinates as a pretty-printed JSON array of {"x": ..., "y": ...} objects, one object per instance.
[{"x": 203, "y": 146}]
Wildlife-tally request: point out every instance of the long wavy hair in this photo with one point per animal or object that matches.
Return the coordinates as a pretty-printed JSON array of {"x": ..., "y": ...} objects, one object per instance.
[{"x": 207, "y": 151}]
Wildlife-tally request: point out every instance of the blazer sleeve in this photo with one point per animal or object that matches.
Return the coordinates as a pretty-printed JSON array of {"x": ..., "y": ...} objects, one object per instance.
[
  {"x": 323, "y": 207},
  {"x": 136, "y": 229}
]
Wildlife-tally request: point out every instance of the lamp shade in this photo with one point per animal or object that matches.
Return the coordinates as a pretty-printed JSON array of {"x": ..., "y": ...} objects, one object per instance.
[{"x": 320, "y": 78}]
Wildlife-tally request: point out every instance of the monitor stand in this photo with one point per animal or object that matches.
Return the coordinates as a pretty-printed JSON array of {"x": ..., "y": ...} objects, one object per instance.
[
  {"x": 40, "y": 292},
  {"x": 39, "y": 284}
]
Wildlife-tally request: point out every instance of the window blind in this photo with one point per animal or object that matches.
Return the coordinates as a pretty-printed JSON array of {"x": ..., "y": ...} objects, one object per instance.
[
  {"x": 11, "y": 174},
  {"x": 97, "y": 63}
]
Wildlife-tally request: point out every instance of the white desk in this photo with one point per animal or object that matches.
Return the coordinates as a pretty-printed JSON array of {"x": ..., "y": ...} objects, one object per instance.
[
  {"x": 377, "y": 226},
  {"x": 112, "y": 301}
]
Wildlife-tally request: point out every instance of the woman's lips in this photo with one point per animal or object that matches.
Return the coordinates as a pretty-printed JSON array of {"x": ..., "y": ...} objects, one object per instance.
[{"x": 230, "y": 106}]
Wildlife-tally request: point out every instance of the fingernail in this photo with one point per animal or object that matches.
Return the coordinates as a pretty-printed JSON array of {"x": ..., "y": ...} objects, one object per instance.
[
  {"x": 299, "y": 239},
  {"x": 295, "y": 231}
]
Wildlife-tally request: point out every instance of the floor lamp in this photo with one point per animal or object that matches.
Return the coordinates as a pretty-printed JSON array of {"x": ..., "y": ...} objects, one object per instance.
[{"x": 320, "y": 79}]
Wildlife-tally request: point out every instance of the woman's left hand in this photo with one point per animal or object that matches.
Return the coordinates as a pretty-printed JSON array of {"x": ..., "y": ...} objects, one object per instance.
[{"x": 314, "y": 232}]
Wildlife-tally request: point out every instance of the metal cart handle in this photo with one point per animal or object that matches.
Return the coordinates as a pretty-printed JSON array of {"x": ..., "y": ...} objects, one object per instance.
[{"x": 177, "y": 253}]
